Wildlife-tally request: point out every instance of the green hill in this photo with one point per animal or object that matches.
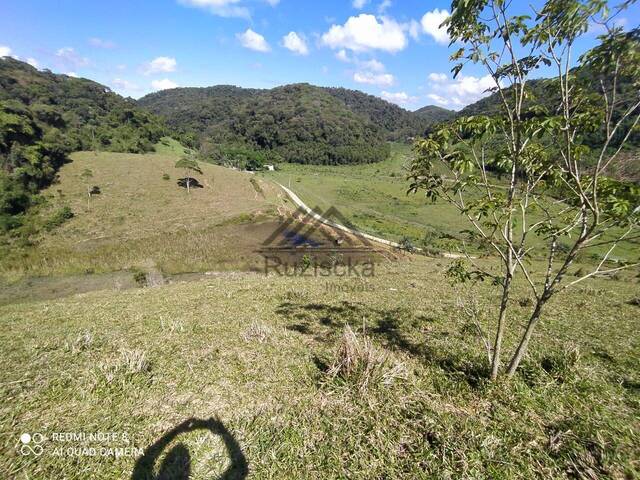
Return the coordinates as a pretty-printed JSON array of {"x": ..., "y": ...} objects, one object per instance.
[
  {"x": 295, "y": 123},
  {"x": 215, "y": 112},
  {"x": 396, "y": 122},
  {"x": 435, "y": 114},
  {"x": 44, "y": 116},
  {"x": 89, "y": 114}
]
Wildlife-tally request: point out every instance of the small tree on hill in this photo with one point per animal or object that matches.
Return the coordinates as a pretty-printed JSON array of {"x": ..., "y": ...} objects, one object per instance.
[
  {"x": 555, "y": 205},
  {"x": 189, "y": 165},
  {"x": 86, "y": 175}
]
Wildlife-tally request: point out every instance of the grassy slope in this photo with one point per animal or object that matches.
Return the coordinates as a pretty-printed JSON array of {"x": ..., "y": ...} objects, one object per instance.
[
  {"x": 252, "y": 353},
  {"x": 141, "y": 219},
  {"x": 169, "y": 146},
  {"x": 374, "y": 196}
]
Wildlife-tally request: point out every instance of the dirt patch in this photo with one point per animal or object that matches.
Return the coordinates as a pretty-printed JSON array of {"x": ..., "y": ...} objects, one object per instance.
[{"x": 48, "y": 288}]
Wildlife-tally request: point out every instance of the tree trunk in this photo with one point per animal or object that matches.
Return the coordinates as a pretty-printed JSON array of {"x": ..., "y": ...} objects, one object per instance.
[
  {"x": 526, "y": 337},
  {"x": 497, "y": 345}
]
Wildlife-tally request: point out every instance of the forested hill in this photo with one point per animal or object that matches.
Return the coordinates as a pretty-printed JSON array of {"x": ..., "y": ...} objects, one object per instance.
[
  {"x": 396, "y": 122},
  {"x": 87, "y": 112},
  {"x": 44, "y": 116},
  {"x": 543, "y": 95},
  {"x": 295, "y": 123},
  {"x": 434, "y": 114},
  {"x": 197, "y": 109}
]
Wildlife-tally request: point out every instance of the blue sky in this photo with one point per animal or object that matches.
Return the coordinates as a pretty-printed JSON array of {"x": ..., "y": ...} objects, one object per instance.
[{"x": 389, "y": 48}]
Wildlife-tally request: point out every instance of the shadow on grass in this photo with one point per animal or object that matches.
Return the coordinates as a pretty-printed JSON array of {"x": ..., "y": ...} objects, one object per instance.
[
  {"x": 177, "y": 462},
  {"x": 397, "y": 328}
]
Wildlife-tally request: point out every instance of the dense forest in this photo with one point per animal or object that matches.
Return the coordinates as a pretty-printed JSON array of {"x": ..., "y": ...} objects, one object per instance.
[
  {"x": 44, "y": 116},
  {"x": 295, "y": 123},
  {"x": 435, "y": 114},
  {"x": 397, "y": 123}
]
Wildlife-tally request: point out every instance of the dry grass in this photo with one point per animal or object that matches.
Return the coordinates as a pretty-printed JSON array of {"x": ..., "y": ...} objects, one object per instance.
[
  {"x": 358, "y": 362},
  {"x": 252, "y": 351},
  {"x": 140, "y": 218}
]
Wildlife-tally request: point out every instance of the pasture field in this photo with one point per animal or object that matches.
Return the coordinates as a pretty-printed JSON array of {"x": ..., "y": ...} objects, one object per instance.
[
  {"x": 374, "y": 198},
  {"x": 142, "y": 219}
]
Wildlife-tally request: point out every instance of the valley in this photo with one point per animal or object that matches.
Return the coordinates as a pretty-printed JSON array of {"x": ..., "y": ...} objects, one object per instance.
[{"x": 177, "y": 301}]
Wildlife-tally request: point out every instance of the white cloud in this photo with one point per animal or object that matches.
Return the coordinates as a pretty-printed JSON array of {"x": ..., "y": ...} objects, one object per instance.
[
  {"x": 461, "y": 91},
  {"x": 438, "y": 99},
  {"x": 253, "y": 41},
  {"x": 5, "y": 51},
  {"x": 160, "y": 64},
  {"x": 359, "y": 4},
  {"x": 222, "y": 8},
  {"x": 273, "y": 3},
  {"x": 438, "y": 77},
  {"x": 294, "y": 42},
  {"x": 431, "y": 22},
  {"x": 343, "y": 56},
  {"x": 365, "y": 32},
  {"x": 371, "y": 78},
  {"x": 384, "y": 6},
  {"x": 101, "y": 43},
  {"x": 414, "y": 29},
  {"x": 33, "y": 62},
  {"x": 70, "y": 58},
  {"x": 372, "y": 65},
  {"x": 163, "y": 84},
  {"x": 120, "y": 84},
  {"x": 399, "y": 98},
  {"x": 72, "y": 74}
]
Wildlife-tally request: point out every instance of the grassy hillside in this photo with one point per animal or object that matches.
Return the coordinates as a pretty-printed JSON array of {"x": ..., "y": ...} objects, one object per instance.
[
  {"x": 374, "y": 199},
  {"x": 44, "y": 116},
  {"x": 256, "y": 355},
  {"x": 141, "y": 219}
]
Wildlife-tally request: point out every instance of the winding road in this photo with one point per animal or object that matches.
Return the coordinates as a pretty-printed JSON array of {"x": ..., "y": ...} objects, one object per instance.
[{"x": 300, "y": 204}]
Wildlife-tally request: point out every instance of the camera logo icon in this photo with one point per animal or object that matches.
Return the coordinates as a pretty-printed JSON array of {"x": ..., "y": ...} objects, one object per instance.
[{"x": 30, "y": 444}]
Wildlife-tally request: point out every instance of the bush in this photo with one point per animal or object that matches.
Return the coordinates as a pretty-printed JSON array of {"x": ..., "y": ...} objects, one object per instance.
[
  {"x": 140, "y": 278},
  {"x": 406, "y": 244},
  {"x": 59, "y": 217}
]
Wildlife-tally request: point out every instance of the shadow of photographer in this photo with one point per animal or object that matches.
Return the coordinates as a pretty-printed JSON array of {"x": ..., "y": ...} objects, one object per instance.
[{"x": 176, "y": 465}]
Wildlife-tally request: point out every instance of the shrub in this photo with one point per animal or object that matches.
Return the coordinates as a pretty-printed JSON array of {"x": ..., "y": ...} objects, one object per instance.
[
  {"x": 140, "y": 278},
  {"x": 59, "y": 217},
  {"x": 406, "y": 244},
  {"x": 256, "y": 186}
]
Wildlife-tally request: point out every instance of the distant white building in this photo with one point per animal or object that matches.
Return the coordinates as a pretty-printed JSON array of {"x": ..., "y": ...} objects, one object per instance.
[{"x": 270, "y": 168}]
